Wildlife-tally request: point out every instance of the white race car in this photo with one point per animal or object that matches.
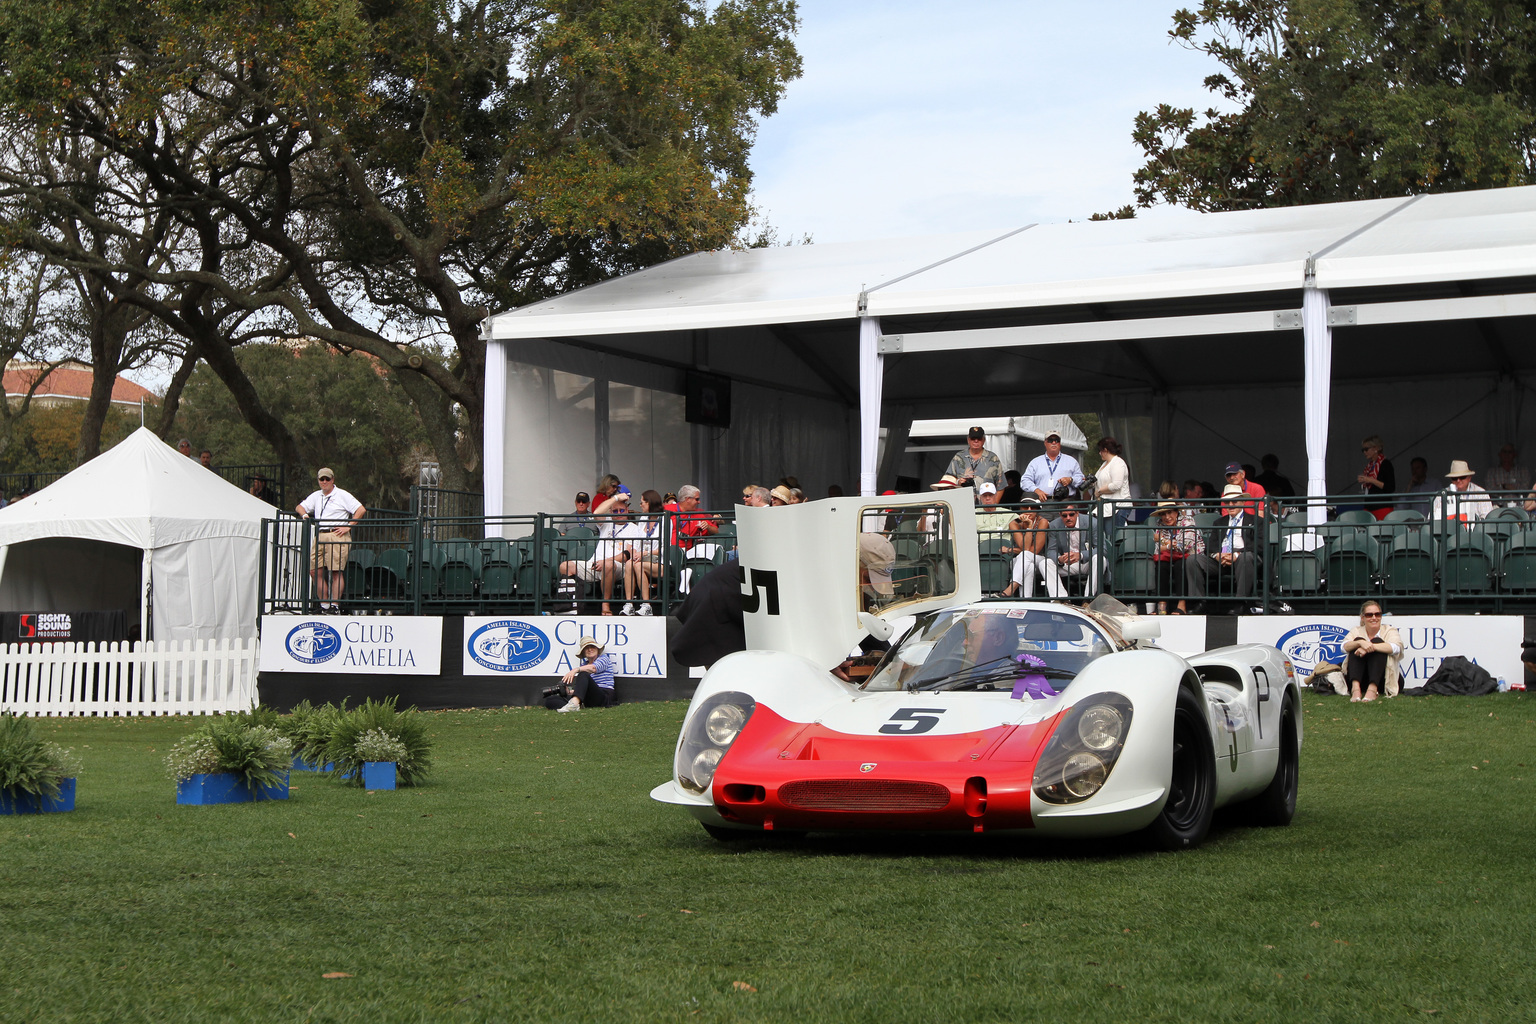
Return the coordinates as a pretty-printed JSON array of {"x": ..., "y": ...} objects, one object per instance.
[{"x": 984, "y": 717}]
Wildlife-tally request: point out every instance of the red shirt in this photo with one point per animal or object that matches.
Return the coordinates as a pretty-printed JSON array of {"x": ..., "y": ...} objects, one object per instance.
[{"x": 687, "y": 527}]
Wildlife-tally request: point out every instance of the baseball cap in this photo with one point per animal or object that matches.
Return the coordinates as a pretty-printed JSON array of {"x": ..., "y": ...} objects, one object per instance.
[
  {"x": 1053, "y": 436},
  {"x": 583, "y": 496},
  {"x": 986, "y": 487},
  {"x": 976, "y": 433},
  {"x": 325, "y": 471},
  {"x": 622, "y": 496},
  {"x": 877, "y": 556},
  {"x": 1233, "y": 467}
]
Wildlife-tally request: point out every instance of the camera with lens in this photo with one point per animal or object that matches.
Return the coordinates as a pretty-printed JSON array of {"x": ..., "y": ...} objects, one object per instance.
[{"x": 553, "y": 691}]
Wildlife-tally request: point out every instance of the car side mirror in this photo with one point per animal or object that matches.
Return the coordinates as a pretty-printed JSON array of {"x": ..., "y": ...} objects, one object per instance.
[
  {"x": 875, "y": 626},
  {"x": 1141, "y": 629}
]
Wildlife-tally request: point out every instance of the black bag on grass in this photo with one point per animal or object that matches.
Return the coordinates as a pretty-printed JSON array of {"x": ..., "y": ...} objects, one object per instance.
[{"x": 1457, "y": 677}]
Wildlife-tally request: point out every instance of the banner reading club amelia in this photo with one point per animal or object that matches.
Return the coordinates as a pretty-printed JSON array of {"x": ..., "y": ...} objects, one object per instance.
[
  {"x": 375, "y": 645},
  {"x": 546, "y": 645}
]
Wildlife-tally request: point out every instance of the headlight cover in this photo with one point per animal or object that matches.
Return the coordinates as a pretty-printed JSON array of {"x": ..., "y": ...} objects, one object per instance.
[
  {"x": 708, "y": 734},
  {"x": 1083, "y": 750}
]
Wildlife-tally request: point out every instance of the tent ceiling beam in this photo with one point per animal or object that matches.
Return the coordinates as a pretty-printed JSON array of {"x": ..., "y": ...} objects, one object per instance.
[{"x": 815, "y": 363}]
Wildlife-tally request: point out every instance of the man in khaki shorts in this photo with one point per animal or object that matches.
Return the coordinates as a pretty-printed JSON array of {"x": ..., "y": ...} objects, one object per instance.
[{"x": 335, "y": 510}]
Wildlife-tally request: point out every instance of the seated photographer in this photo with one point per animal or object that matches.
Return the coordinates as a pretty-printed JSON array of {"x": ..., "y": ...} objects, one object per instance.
[{"x": 588, "y": 685}]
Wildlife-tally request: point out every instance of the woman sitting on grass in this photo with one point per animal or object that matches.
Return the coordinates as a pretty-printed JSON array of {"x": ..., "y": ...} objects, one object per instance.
[
  {"x": 589, "y": 684},
  {"x": 1372, "y": 649}
]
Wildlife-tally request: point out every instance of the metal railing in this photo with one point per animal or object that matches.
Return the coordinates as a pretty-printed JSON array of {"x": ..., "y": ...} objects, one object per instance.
[
  {"x": 400, "y": 564},
  {"x": 1478, "y": 553}
]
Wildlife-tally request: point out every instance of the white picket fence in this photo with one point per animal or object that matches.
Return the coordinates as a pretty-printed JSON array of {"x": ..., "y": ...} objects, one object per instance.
[{"x": 173, "y": 677}]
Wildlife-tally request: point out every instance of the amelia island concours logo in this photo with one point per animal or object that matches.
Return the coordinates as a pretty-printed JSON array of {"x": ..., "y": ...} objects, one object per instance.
[
  {"x": 508, "y": 646},
  {"x": 313, "y": 642},
  {"x": 1316, "y": 643}
]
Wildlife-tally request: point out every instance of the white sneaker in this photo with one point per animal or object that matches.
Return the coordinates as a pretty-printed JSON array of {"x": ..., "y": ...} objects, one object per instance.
[
  {"x": 644, "y": 609},
  {"x": 628, "y": 609},
  {"x": 571, "y": 705}
]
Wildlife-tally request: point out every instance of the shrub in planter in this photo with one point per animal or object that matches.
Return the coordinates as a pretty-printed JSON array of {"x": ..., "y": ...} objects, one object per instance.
[
  {"x": 403, "y": 733},
  {"x": 310, "y": 728},
  {"x": 35, "y": 775},
  {"x": 256, "y": 755}
]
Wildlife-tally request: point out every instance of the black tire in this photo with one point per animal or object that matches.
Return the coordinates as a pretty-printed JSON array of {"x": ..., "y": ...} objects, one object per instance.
[
  {"x": 1277, "y": 804},
  {"x": 1186, "y": 815}
]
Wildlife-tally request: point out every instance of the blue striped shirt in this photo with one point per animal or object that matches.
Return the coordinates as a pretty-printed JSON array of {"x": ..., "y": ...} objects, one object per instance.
[{"x": 602, "y": 671}]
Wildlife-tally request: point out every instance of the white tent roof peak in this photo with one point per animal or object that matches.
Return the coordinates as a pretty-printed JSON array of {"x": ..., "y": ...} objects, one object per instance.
[
  {"x": 142, "y": 493},
  {"x": 1441, "y": 237}
]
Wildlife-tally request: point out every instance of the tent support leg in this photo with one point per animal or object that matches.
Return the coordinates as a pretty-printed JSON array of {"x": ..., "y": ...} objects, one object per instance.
[
  {"x": 871, "y": 382},
  {"x": 1317, "y": 346}
]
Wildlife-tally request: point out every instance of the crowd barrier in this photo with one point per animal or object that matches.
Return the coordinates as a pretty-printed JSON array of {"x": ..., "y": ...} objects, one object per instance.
[
  {"x": 174, "y": 677},
  {"x": 1468, "y": 558}
]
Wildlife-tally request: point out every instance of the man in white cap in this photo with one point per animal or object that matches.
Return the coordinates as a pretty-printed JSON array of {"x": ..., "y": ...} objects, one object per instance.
[
  {"x": 1463, "y": 500},
  {"x": 335, "y": 511},
  {"x": 590, "y": 683},
  {"x": 876, "y": 560},
  {"x": 1054, "y": 475},
  {"x": 991, "y": 521}
]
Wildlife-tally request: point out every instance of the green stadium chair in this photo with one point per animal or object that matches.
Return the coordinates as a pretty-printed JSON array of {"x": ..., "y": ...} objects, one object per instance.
[
  {"x": 1467, "y": 563},
  {"x": 1357, "y": 517},
  {"x": 1410, "y": 567},
  {"x": 1352, "y": 565},
  {"x": 1518, "y": 568}
]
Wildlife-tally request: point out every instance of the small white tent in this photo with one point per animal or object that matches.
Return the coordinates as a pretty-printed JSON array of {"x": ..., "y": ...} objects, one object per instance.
[{"x": 139, "y": 527}]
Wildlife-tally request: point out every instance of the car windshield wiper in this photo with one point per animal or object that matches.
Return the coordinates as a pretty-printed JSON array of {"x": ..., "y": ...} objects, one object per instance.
[{"x": 996, "y": 670}]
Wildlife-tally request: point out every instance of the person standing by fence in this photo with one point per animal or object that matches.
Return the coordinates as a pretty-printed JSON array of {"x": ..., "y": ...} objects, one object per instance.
[{"x": 335, "y": 510}]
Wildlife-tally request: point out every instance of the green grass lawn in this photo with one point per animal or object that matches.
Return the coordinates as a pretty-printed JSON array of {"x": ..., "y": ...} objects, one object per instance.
[{"x": 533, "y": 879}]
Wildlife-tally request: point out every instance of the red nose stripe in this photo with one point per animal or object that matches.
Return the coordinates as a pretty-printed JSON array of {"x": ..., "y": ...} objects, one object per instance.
[{"x": 876, "y": 795}]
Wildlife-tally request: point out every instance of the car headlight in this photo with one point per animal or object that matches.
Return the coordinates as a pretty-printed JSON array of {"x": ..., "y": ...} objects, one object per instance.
[
  {"x": 707, "y": 735},
  {"x": 1082, "y": 752}
]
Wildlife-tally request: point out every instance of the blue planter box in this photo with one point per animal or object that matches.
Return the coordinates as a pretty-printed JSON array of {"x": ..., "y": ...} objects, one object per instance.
[
  {"x": 28, "y": 803},
  {"x": 378, "y": 775},
  {"x": 301, "y": 765},
  {"x": 226, "y": 788}
]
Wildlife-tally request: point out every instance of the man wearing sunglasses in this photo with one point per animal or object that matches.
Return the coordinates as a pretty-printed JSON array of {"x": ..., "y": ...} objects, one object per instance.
[{"x": 335, "y": 511}]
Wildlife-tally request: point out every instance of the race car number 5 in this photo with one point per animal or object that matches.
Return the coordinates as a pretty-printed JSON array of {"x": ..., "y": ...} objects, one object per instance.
[{"x": 912, "y": 720}]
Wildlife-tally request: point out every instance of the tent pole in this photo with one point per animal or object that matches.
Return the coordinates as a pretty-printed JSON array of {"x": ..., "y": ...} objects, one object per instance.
[
  {"x": 494, "y": 429},
  {"x": 871, "y": 380},
  {"x": 1317, "y": 346}
]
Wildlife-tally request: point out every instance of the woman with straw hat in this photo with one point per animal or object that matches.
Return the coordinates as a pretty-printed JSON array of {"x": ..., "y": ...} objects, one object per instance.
[{"x": 590, "y": 684}]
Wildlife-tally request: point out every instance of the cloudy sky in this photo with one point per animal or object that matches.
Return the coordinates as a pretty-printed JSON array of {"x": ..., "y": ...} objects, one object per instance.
[{"x": 921, "y": 117}]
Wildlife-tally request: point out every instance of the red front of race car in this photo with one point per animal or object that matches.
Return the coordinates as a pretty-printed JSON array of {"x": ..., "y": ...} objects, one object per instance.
[{"x": 782, "y": 774}]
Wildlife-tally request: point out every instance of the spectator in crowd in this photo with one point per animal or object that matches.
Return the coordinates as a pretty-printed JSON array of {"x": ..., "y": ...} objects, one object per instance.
[
  {"x": 580, "y": 515},
  {"x": 834, "y": 490},
  {"x": 1053, "y": 476},
  {"x": 185, "y": 447},
  {"x": 645, "y": 564},
  {"x": 614, "y": 550},
  {"x": 1012, "y": 493},
  {"x": 1113, "y": 483},
  {"x": 1230, "y": 547},
  {"x": 607, "y": 488},
  {"x": 758, "y": 497},
  {"x": 1371, "y": 652},
  {"x": 780, "y": 495},
  {"x": 260, "y": 488},
  {"x": 791, "y": 482},
  {"x": 1069, "y": 546},
  {"x": 1378, "y": 477},
  {"x": 590, "y": 683},
  {"x": 1168, "y": 491},
  {"x": 1176, "y": 539},
  {"x": 205, "y": 459},
  {"x": 1209, "y": 493},
  {"x": 1194, "y": 491},
  {"x": 1418, "y": 471},
  {"x": 1275, "y": 484},
  {"x": 975, "y": 463},
  {"x": 688, "y": 523},
  {"x": 1509, "y": 474},
  {"x": 796, "y": 496},
  {"x": 1237, "y": 477},
  {"x": 1463, "y": 500},
  {"x": 335, "y": 511},
  {"x": 1031, "y": 532},
  {"x": 991, "y": 521}
]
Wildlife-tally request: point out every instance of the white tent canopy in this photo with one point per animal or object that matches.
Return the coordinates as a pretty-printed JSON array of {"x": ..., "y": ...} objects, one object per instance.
[
  {"x": 138, "y": 527},
  {"x": 1220, "y": 328}
]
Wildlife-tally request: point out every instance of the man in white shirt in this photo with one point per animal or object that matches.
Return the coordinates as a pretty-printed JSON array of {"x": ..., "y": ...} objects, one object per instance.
[
  {"x": 334, "y": 510},
  {"x": 1463, "y": 500},
  {"x": 991, "y": 521},
  {"x": 1230, "y": 546},
  {"x": 617, "y": 547},
  {"x": 1053, "y": 471},
  {"x": 1508, "y": 475}
]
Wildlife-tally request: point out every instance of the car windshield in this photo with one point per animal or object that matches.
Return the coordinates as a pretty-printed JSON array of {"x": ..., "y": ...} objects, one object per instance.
[{"x": 1034, "y": 652}]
